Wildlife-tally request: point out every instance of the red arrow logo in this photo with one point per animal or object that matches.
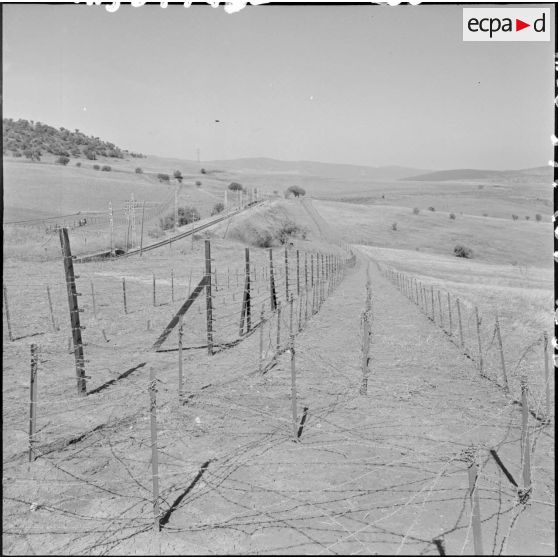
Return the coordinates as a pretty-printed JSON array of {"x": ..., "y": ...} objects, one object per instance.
[{"x": 519, "y": 25}]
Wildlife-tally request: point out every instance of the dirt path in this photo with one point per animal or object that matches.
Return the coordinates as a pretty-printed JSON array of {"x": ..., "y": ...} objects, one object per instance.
[{"x": 383, "y": 473}]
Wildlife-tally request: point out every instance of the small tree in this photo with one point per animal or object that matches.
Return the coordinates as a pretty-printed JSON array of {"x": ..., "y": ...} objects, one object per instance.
[
  {"x": 163, "y": 177},
  {"x": 139, "y": 170},
  {"x": 296, "y": 191},
  {"x": 62, "y": 160},
  {"x": 217, "y": 208},
  {"x": 515, "y": 217},
  {"x": 178, "y": 175},
  {"x": 235, "y": 187}
]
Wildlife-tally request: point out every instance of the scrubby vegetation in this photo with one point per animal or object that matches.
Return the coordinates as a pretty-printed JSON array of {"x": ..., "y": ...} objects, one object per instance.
[
  {"x": 217, "y": 208},
  {"x": 96, "y": 167},
  {"x": 163, "y": 177},
  {"x": 463, "y": 251},
  {"x": 394, "y": 226},
  {"x": 515, "y": 217},
  {"x": 416, "y": 210},
  {"x": 139, "y": 170},
  {"x": 296, "y": 191},
  {"x": 106, "y": 168},
  {"x": 32, "y": 139},
  {"x": 198, "y": 183},
  {"x": 431, "y": 208},
  {"x": 186, "y": 215},
  {"x": 62, "y": 160},
  {"x": 452, "y": 216}
]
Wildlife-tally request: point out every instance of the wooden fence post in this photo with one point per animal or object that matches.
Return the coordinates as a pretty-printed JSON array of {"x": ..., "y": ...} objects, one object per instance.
[
  {"x": 286, "y": 275},
  {"x": 450, "y": 317},
  {"x": 111, "y": 223},
  {"x": 180, "y": 373},
  {"x": 7, "y": 309},
  {"x": 501, "y": 350},
  {"x": 475, "y": 508},
  {"x": 208, "y": 298},
  {"x": 297, "y": 273},
  {"x": 481, "y": 364},
  {"x": 262, "y": 323},
  {"x": 92, "y": 299},
  {"x": 33, "y": 402},
  {"x": 546, "y": 377},
  {"x": 172, "y": 285},
  {"x": 293, "y": 376},
  {"x": 278, "y": 348},
  {"x": 460, "y": 324},
  {"x": 305, "y": 287},
  {"x": 441, "y": 311},
  {"x": 154, "y": 453},
  {"x": 365, "y": 353},
  {"x": 154, "y": 291},
  {"x": 246, "y": 311},
  {"x": 272, "y": 294},
  {"x": 525, "y": 438},
  {"x": 141, "y": 234},
  {"x": 124, "y": 294},
  {"x": 74, "y": 310},
  {"x": 432, "y": 297},
  {"x": 54, "y": 326}
]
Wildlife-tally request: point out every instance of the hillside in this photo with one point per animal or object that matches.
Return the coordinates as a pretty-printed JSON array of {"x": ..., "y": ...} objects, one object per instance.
[
  {"x": 32, "y": 140},
  {"x": 475, "y": 174}
]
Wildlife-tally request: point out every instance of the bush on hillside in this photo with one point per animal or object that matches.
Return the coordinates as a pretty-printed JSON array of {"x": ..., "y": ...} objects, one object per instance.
[
  {"x": 178, "y": 175},
  {"x": 296, "y": 191},
  {"x": 416, "y": 210},
  {"x": 78, "y": 164},
  {"x": 394, "y": 226},
  {"x": 218, "y": 208},
  {"x": 139, "y": 170},
  {"x": 538, "y": 217},
  {"x": 97, "y": 167},
  {"x": 527, "y": 217},
  {"x": 62, "y": 160},
  {"x": 203, "y": 171},
  {"x": 485, "y": 214},
  {"x": 235, "y": 187},
  {"x": 186, "y": 215},
  {"x": 452, "y": 216},
  {"x": 106, "y": 168},
  {"x": 431, "y": 208},
  {"x": 463, "y": 252},
  {"x": 515, "y": 217},
  {"x": 163, "y": 177},
  {"x": 198, "y": 183}
]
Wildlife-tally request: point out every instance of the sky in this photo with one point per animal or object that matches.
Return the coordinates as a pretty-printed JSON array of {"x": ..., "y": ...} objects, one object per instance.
[{"x": 369, "y": 85}]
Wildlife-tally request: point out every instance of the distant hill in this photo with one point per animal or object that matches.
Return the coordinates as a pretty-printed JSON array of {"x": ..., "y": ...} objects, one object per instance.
[
  {"x": 312, "y": 168},
  {"x": 32, "y": 140},
  {"x": 474, "y": 174}
]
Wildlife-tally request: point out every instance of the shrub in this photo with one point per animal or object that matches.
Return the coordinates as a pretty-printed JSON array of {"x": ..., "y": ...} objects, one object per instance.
[
  {"x": 106, "y": 168},
  {"x": 527, "y": 217},
  {"x": 178, "y": 175},
  {"x": 485, "y": 214},
  {"x": 163, "y": 177},
  {"x": 96, "y": 167},
  {"x": 296, "y": 191},
  {"x": 452, "y": 216},
  {"x": 78, "y": 164},
  {"x": 90, "y": 153},
  {"x": 431, "y": 208},
  {"x": 186, "y": 215},
  {"x": 538, "y": 217},
  {"x": 198, "y": 183},
  {"x": 462, "y": 251},
  {"x": 203, "y": 171},
  {"x": 289, "y": 229},
  {"x": 62, "y": 160},
  {"x": 481, "y": 186},
  {"x": 515, "y": 217},
  {"x": 416, "y": 210},
  {"x": 394, "y": 226},
  {"x": 235, "y": 187},
  {"x": 217, "y": 208},
  {"x": 139, "y": 170}
]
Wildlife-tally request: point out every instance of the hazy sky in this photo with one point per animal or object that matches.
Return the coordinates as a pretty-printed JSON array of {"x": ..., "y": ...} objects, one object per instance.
[{"x": 371, "y": 85}]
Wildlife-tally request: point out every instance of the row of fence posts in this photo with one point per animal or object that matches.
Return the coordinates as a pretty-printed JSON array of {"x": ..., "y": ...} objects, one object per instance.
[
  {"x": 419, "y": 294},
  {"x": 366, "y": 334}
]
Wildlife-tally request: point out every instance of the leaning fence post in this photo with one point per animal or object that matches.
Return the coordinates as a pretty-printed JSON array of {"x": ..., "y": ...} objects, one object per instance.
[
  {"x": 7, "y": 309},
  {"x": 501, "y": 350},
  {"x": 272, "y": 294},
  {"x": 33, "y": 402},
  {"x": 92, "y": 298},
  {"x": 262, "y": 323},
  {"x": 460, "y": 324},
  {"x": 546, "y": 376},
  {"x": 293, "y": 376},
  {"x": 525, "y": 439},
  {"x": 54, "y": 326},
  {"x": 154, "y": 454},
  {"x": 124, "y": 294},
  {"x": 481, "y": 364},
  {"x": 180, "y": 377},
  {"x": 475, "y": 508},
  {"x": 74, "y": 310},
  {"x": 450, "y": 318},
  {"x": 208, "y": 301}
]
